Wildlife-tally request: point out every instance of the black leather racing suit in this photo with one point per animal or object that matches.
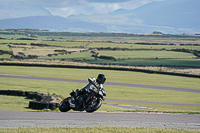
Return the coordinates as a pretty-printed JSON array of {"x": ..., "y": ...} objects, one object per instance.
[{"x": 93, "y": 85}]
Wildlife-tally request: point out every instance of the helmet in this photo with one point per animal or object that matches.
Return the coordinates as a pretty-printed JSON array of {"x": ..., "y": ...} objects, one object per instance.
[{"x": 101, "y": 78}]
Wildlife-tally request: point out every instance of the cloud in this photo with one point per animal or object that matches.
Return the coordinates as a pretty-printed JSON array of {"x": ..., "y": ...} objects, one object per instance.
[
  {"x": 108, "y": 1},
  {"x": 65, "y": 8},
  {"x": 19, "y": 8}
]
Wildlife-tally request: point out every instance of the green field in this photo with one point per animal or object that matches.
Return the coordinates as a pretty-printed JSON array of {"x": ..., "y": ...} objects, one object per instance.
[
  {"x": 139, "y": 46},
  {"x": 128, "y": 55},
  {"x": 113, "y": 75},
  {"x": 113, "y": 92},
  {"x": 124, "y": 49},
  {"x": 122, "y": 53},
  {"x": 4, "y": 47},
  {"x": 146, "y": 54},
  {"x": 51, "y": 43},
  {"x": 150, "y": 62}
]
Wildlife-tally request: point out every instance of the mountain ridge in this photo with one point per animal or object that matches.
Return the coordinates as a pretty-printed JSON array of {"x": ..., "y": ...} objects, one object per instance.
[{"x": 170, "y": 17}]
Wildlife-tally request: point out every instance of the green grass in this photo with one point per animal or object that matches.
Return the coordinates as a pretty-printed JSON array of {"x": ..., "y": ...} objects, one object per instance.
[
  {"x": 130, "y": 55},
  {"x": 5, "y": 41},
  {"x": 5, "y": 56},
  {"x": 138, "y": 46},
  {"x": 41, "y": 86},
  {"x": 97, "y": 130},
  {"x": 164, "y": 108},
  {"x": 52, "y": 43},
  {"x": 142, "y": 57},
  {"x": 4, "y": 48},
  {"x": 113, "y": 92},
  {"x": 64, "y": 43},
  {"x": 151, "y": 62},
  {"x": 13, "y": 36},
  {"x": 98, "y": 44},
  {"x": 14, "y": 103},
  {"x": 146, "y": 54},
  {"x": 43, "y": 51},
  {"x": 112, "y": 75},
  {"x": 74, "y": 56}
]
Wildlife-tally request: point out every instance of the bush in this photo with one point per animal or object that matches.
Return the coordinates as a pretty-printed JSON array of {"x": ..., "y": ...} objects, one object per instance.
[
  {"x": 4, "y": 52},
  {"x": 32, "y": 56},
  {"x": 37, "y": 44},
  {"x": 61, "y": 51},
  {"x": 106, "y": 57},
  {"x": 26, "y": 39}
]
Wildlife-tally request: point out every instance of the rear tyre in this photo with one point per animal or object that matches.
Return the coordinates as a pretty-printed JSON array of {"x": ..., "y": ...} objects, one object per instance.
[
  {"x": 93, "y": 107},
  {"x": 64, "y": 105}
]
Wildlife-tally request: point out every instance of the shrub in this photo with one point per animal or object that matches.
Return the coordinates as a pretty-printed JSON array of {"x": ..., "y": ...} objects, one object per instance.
[
  {"x": 61, "y": 51},
  {"x": 106, "y": 57}
]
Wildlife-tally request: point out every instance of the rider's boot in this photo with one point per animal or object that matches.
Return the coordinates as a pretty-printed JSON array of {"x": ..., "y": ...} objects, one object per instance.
[{"x": 72, "y": 102}]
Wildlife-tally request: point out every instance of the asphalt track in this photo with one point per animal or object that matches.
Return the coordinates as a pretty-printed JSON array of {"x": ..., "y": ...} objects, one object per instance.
[{"x": 12, "y": 119}]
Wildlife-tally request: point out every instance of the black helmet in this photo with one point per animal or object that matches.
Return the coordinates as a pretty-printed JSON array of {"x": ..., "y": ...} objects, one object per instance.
[{"x": 101, "y": 78}]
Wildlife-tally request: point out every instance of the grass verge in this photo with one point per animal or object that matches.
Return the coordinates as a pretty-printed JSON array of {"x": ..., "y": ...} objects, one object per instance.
[
  {"x": 14, "y": 103},
  {"x": 113, "y": 92},
  {"x": 97, "y": 130},
  {"x": 112, "y": 75}
]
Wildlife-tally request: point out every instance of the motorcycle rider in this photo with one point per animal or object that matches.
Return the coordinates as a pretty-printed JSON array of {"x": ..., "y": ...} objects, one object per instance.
[{"x": 94, "y": 84}]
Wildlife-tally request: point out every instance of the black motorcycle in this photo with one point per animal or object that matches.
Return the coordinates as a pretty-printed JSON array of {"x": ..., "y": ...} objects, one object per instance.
[{"x": 89, "y": 101}]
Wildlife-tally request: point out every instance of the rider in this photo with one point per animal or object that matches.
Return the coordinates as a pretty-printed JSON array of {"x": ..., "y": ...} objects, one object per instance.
[{"x": 94, "y": 84}]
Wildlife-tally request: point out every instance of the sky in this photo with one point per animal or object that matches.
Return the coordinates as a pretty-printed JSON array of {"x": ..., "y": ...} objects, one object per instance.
[
  {"x": 88, "y": 7},
  {"x": 64, "y": 8}
]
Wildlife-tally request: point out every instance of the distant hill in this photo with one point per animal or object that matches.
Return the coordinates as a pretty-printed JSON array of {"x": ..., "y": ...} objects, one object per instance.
[
  {"x": 172, "y": 13},
  {"x": 169, "y": 17}
]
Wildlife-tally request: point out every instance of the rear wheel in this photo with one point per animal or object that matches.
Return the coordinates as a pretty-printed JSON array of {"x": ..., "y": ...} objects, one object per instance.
[
  {"x": 64, "y": 105},
  {"x": 93, "y": 106}
]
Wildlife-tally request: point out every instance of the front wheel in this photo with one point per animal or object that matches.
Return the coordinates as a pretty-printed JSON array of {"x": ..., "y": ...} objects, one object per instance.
[
  {"x": 93, "y": 106},
  {"x": 64, "y": 105}
]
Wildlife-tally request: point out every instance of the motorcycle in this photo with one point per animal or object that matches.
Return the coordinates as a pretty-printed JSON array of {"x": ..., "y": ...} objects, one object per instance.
[{"x": 89, "y": 101}]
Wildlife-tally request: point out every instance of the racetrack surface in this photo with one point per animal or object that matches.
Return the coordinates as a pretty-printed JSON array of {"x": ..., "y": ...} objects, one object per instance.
[{"x": 12, "y": 119}]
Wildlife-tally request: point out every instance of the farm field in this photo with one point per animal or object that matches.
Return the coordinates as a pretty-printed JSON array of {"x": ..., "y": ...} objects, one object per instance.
[
  {"x": 140, "y": 46},
  {"x": 152, "y": 63},
  {"x": 173, "y": 51},
  {"x": 82, "y": 53}
]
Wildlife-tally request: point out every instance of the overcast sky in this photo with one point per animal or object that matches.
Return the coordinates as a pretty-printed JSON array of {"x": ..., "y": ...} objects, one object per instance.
[{"x": 64, "y": 8}]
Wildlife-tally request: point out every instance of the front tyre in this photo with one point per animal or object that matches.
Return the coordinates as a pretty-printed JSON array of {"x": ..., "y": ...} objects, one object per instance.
[
  {"x": 64, "y": 105},
  {"x": 93, "y": 106}
]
